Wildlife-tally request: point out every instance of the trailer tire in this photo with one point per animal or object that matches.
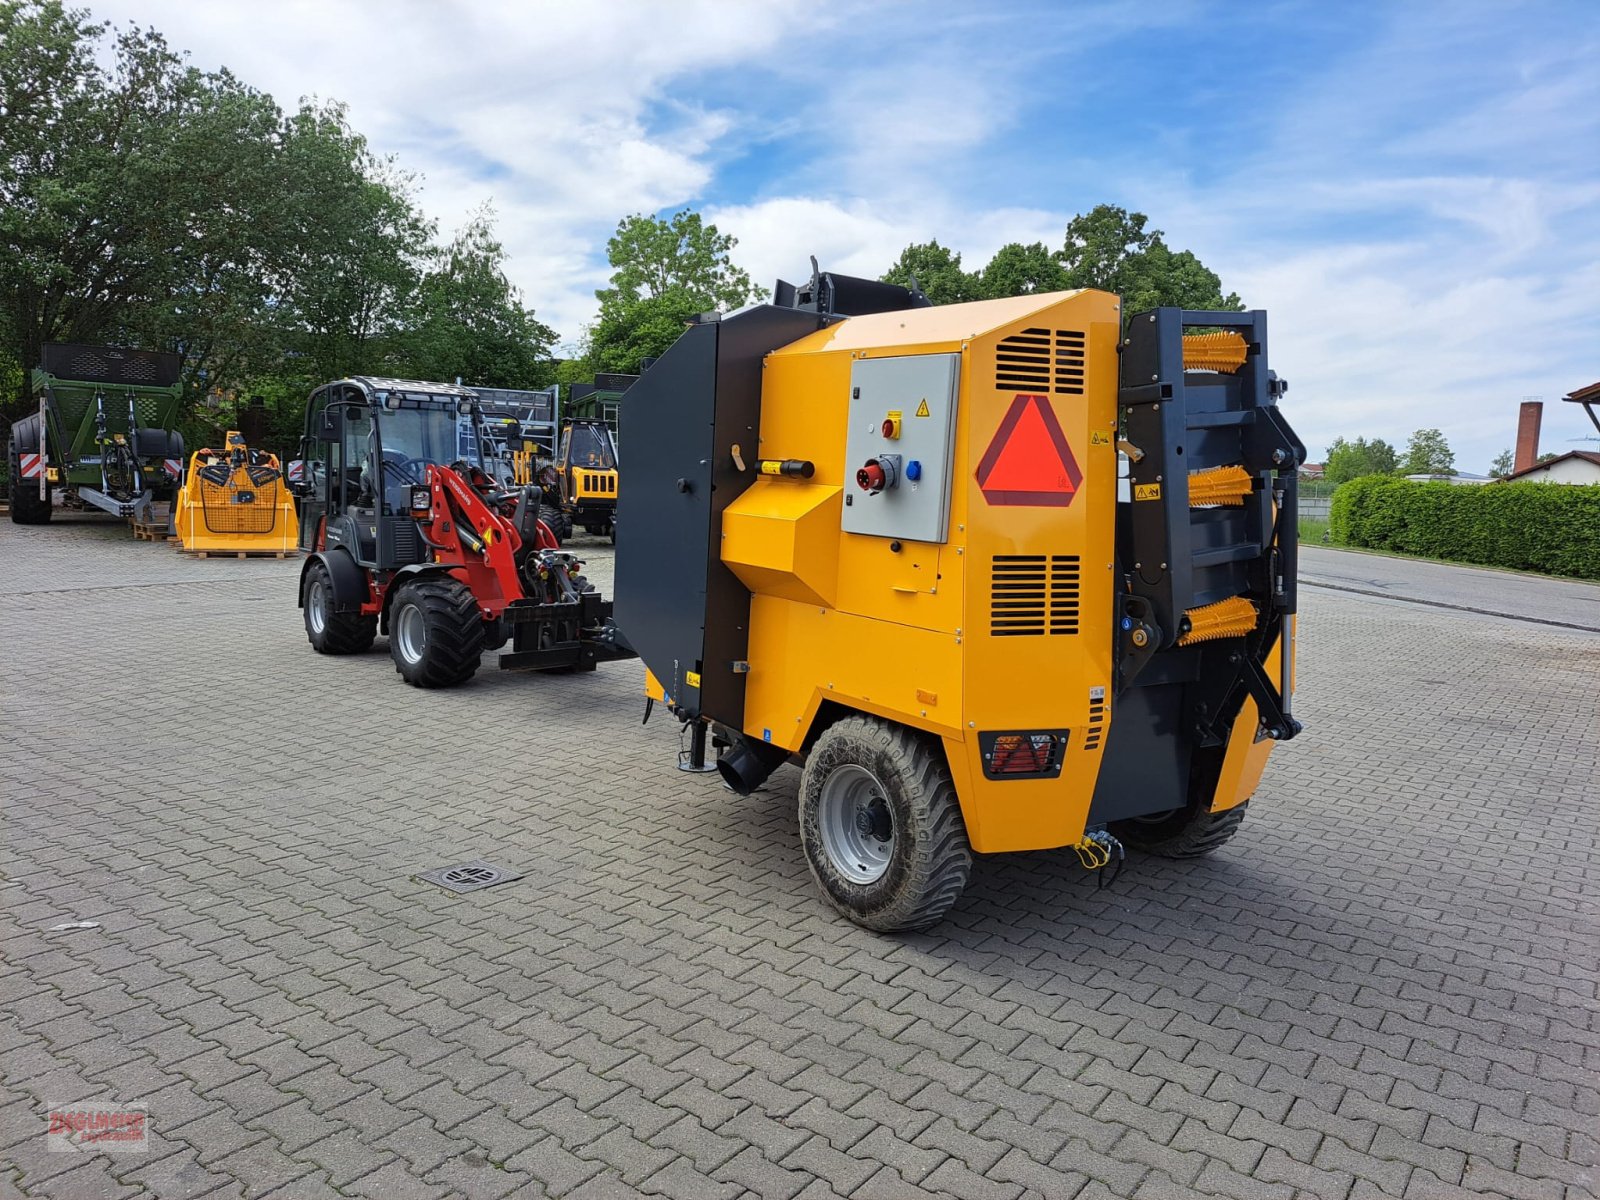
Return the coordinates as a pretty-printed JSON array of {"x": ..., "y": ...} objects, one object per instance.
[
  {"x": 328, "y": 630},
  {"x": 436, "y": 635},
  {"x": 866, "y": 778},
  {"x": 26, "y": 507},
  {"x": 1181, "y": 833},
  {"x": 559, "y": 523}
]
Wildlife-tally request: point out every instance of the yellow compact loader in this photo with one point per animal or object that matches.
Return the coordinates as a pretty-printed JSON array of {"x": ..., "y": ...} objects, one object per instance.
[
  {"x": 883, "y": 541},
  {"x": 235, "y": 501}
]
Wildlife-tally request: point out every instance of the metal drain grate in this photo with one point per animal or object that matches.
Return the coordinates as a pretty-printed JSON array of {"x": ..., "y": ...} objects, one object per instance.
[{"x": 470, "y": 876}]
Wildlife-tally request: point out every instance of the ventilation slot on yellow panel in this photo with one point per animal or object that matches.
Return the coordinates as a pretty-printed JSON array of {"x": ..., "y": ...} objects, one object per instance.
[
  {"x": 1223, "y": 351},
  {"x": 1064, "y": 584},
  {"x": 1218, "y": 485},
  {"x": 1041, "y": 362},
  {"x": 1070, "y": 347},
  {"x": 1017, "y": 592},
  {"x": 1031, "y": 595},
  {"x": 1097, "y": 719},
  {"x": 1233, "y": 617}
]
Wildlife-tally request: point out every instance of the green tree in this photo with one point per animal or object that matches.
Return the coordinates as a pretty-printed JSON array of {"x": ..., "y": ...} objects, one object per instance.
[
  {"x": 664, "y": 273},
  {"x": 653, "y": 257},
  {"x": 1352, "y": 460},
  {"x": 150, "y": 203},
  {"x": 937, "y": 270},
  {"x": 1110, "y": 248},
  {"x": 348, "y": 288},
  {"x": 1018, "y": 270},
  {"x": 471, "y": 321},
  {"x": 1504, "y": 463},
  {"x": 1428, "y": 453}
]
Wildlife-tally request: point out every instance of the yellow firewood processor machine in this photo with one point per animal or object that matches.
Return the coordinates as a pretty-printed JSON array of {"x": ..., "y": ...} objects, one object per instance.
[{"x": 884, "y": 541}]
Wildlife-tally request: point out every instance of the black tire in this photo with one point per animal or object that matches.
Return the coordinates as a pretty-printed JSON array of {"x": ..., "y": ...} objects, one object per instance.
[
  {"x": 328, "y": 631},
  {"x": 1181, "y": 833},
  {"x": 897, "y": 782},
  {"x": 436, "y": 635},
  {"x": 560, "y": 524},
  {"x": 26, "y": 507}
]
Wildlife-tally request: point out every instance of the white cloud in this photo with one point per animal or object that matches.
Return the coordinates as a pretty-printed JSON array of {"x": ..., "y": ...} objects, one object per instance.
[{"x": 1417, "y": 204}]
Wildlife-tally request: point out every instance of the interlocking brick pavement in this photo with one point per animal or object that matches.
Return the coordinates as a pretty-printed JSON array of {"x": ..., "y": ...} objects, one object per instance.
[{"x": 1385, "y": 986}]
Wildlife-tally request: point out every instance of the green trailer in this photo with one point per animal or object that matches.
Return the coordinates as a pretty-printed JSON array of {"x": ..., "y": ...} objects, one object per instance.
[{"x": 103, "y": 434}]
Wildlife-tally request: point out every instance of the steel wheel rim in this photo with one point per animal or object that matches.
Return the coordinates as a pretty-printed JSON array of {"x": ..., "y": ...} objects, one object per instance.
[
  {"x": 317, "y": 605},
  {"x": 852, "y": 813},
  {"x": 409, "y": 633}
]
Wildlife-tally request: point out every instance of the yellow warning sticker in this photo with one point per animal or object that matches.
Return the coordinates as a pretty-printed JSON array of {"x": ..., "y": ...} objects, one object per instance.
[
  {"x": 692, "y": 678},
  {"x": 1147, "y": 491},
  {"x": 922, "y": 409}
]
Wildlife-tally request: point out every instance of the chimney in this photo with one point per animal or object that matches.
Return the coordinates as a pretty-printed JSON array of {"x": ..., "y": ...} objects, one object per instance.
[{"x": 1528, "y": 435}]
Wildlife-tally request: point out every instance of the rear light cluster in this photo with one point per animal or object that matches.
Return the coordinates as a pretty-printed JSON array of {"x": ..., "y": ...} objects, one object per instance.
[{"x": 1025, "y": 754}]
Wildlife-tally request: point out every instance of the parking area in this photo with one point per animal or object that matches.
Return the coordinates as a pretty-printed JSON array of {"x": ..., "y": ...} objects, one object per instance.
[{"x": 1386, "y": 985}]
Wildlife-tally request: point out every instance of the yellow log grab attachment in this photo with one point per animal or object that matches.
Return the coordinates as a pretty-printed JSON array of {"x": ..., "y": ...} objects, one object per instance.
[
  {"x": 1226, "y": 618},
  {"x": 1223, "y": 351},
  {"x": 1218, "y": 485}
]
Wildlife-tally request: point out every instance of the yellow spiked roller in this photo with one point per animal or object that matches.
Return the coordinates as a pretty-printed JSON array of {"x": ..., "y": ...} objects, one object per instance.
[
  {"x": 1223, "y": 351},
  {"x": 1218, "y": 485},
  {"x": 1225, "y": 618}
]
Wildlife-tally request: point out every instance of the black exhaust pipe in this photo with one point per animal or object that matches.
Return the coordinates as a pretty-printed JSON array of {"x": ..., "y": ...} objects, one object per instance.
[{"x": 749, "y": 763}]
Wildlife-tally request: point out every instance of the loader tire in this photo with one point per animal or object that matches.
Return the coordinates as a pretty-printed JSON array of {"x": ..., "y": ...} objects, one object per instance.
[
  {"x": 329, "y": 631},
  {"x": 26, "y": 507},
  {"x": 1181, "y": 833},
  {"x": 436, "y": 635},
  {"x": 559, "y": 523},
  {"x": 881, "y": 826}
]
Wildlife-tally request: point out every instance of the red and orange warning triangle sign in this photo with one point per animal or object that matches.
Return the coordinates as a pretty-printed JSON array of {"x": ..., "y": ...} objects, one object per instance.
[{"x": 1028, "y": 461}]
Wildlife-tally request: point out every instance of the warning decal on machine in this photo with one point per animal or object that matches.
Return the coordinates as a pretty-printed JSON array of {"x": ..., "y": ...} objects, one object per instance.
[
  {"x": 1028, "y": 461},
  {"x": 922, "y": 409}
]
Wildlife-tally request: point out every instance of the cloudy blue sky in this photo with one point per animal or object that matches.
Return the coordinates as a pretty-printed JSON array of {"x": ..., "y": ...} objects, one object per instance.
[{"x": 1412, "y": 190}]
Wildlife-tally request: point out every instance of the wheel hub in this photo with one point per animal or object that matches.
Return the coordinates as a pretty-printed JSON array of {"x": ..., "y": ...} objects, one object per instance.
[
  {"x": 410, "y": 633},
  {"x": 856, "y": 824}
]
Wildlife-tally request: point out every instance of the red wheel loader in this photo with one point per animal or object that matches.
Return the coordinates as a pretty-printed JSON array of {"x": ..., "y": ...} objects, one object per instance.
[{"x": 404, "y": 538}]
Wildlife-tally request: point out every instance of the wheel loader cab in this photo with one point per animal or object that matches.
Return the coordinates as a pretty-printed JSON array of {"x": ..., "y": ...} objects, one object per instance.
[{"x": 368, "y": 445}]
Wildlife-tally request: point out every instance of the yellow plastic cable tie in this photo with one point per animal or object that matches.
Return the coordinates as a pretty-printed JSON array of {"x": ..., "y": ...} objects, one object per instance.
[
  {"x": 1223, "y": 351},
  {"x": 1218, "y": 485},
  {"x": 1232, "y": 617}
]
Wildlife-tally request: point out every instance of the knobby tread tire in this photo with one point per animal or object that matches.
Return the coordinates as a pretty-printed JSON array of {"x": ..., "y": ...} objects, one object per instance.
[
  {"x": 1187, "y": 834},
  {"x": 454, "y": 639},
  {"x": 342, "y": 633},
  {"x": 560, "y": 524},
  {"x": 932, "y": 859}
]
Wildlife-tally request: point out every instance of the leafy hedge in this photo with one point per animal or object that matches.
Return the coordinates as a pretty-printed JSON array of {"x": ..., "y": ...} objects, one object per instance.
[{"x": 1547, "y": 527}]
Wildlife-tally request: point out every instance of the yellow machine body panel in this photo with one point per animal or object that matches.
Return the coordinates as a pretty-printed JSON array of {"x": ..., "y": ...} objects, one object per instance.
[
  {"x": 1004, "y": 624},
  {"x": 235, "y": 500},
  {"x": 592, "y": 484}
]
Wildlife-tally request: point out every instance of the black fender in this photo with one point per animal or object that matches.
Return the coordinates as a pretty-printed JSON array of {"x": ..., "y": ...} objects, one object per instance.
[
  {"x": 349, "y": 581},
  {"x": 158, "y": 443},
  {"x": 25, "y": 435},
  {"x": 402, "y": 577}
]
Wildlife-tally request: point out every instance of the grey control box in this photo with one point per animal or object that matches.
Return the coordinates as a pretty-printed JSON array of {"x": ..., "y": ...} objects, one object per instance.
[{"x": 899, "y": 445}]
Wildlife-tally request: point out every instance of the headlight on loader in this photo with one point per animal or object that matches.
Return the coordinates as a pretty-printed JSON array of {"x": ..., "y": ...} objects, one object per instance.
[{"x": 421, "y": 501}]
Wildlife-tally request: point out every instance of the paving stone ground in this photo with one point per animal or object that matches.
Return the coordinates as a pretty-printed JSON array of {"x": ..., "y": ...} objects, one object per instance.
[{"x": 1386, "y": 985}]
